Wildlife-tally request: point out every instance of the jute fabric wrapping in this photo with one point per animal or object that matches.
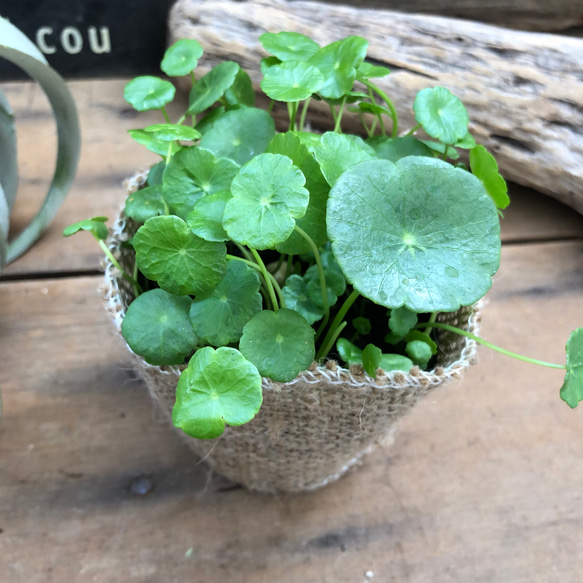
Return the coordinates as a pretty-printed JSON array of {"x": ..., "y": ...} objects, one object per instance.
[{"x": 313, "y": 429}]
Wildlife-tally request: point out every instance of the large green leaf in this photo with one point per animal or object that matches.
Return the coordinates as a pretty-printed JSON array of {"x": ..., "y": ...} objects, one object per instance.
[
  {"x": 241, "y": 91},
  {"x": 193, "y": 173},
  {"x": 395, "y": 149},
  {"x": 289, "y": 46},
  {"x": 280, "y": 344},
  {"x": 218, "y": 387},
  {"x": 314, "y": 221},
  {"x": 442, "y": 115},
  {"x": 219, "y": 317},
  {"x": 337, "y": 152},
  {"x": 417, "y": 233},
  {"x": 291, "y": 81},
  {"x": 239, "y": 134},
  {"x": 338, "y": 63},
  {"x": 268, "y": 194},
  {"x": 157, "y": 326},
  {"x": 484, "y": 166},
  {"x": 572, "y": 389},
  {"x": 147, "y": 92},
  {"x": 146, "y": 203},
  {"x": 181, "y": 58},
  {"x": 168, "y": 252},
  {"x": 212, "y": 86}
]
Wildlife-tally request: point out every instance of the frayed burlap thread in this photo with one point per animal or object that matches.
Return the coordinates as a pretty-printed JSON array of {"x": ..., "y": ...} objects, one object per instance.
[{"x": 311, "y": 430}]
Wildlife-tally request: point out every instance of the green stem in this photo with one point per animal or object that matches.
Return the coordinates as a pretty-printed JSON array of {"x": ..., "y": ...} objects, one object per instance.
[
  {"x": 339, "y": 118},
  {"x": 193, "y": 78},
  {"x": 278, "y": 264},
  {"x": 322, "y": 275},
  {"x": 333, "y": 338},
  {"x": 271, "y": 104},
  {"x": 412, "y": 130},
  {"x": 333, "y": 112},
  {"x": 431, "y": 320},
  {"x": 244, "y": 252},
  {"x": 266, "y": 275},
  {"x": 169, "y": 154},
  {"x": 336, "y": 323},
  {"x": 137, "y": 289},
  {"x": 292, "y": 109},
  {"x": 163, "y": 110},
  {"x": 367, "y": 129},
  {"x": 258, "y": 268},
  {"x": 385, "y": 98},
  {"x": 304, "y": 113},
  {"x": 489, "y": 344}
]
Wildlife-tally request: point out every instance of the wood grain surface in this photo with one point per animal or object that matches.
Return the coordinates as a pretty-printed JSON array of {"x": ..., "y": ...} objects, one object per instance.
[
  {"x": 523, "y": 91},
  {"x": 109, "y": 156},
  {"x": 483, "y": 483}
]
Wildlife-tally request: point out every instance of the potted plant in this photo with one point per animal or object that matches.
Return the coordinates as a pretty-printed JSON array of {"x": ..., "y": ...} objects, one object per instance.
[{"x": 246, "y": 258}]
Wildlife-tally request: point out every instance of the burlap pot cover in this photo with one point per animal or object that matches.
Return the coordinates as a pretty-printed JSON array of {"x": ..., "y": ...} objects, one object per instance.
[{"x": 313, "y": 429}]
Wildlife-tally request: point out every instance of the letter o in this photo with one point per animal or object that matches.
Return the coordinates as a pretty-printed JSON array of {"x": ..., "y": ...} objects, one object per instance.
[{"x": 71, "y": 40}]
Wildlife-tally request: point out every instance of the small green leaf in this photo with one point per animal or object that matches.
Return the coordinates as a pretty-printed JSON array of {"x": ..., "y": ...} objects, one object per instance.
[
  {"x": 422, "y": 234},
  {"x": 348, "y": 352},
  {"x": 280, "y": 344},
  {"x": 241, "y": 91},
  {"x": 268, "y": 194},
  {"x": 193, "y": 173},
  {"x": 395, "y": 149},
  {"x": 296, "y": 298},
  {"x": 374, "y": 108},
  {"x": 419, "y": 351},
  {"x": 421, "y": 337},
  {"x": 182, "y": 263},
  {"x": 390, "y": 362},
  {"x": 362, "y": 325},
  {"x": 168, "y": 132},
  {"x": 155, "y": 174},
  {"x": 219, "y": 317},
  {"x": 206, "y": 218},
  {"x": 212, "y": 86},
  {"x": 289, "y": 46},
  {"x": 371, "y": 359},
  {"x": 239, "y": 134},
  {"x": 442, "y": 115},
  {"x": 368, "y": 71},
  {"x": 145, "y": 204},
  {"x": 181, "y": 58},
  {"x": 402, "y": 320},
  {"x": 338, "y": 62},
  {"x": 95, "y": 226},
  {"x": 219, "y": 387},
  {"x": 309, "y": 139},
  {"x": 154, "y": 145},
  {"x": 291, "y": 81},
  {"x": 484, "y": 166},
  {"x": 157, "y": 326},
  {"x": 572, "y": 389},
  {"x": 268, "y": 62},
  {"x": 441, "y": 149},
  {"x": 335, "y": 281},
  {"x": 467, "y": 142},
  {"x": 336, "y": 153},
  {"x": 145, "y": 93}
]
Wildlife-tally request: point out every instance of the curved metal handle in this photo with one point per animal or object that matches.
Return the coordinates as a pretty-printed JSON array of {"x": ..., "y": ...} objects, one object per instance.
[{"x": 18, "y": 49}]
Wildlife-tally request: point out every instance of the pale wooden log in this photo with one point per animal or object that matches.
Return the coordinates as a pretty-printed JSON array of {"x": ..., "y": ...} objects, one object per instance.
[{"x": 524, "y": 91}]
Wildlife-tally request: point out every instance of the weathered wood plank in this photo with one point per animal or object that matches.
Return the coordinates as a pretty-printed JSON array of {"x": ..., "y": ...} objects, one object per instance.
[
  {"x": 524, "y": 91},
  {"x": 482, "y": 484}
]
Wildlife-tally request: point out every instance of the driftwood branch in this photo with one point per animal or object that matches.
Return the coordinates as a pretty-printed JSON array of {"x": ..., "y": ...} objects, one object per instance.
[{"x": 524, "y": 91}]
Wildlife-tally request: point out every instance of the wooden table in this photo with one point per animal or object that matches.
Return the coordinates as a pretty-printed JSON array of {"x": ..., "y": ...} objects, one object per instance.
[{"x": 484, "y": 482}]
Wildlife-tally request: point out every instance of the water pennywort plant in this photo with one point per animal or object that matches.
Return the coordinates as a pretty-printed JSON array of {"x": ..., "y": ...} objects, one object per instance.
[{"x": 258, "y": 252}]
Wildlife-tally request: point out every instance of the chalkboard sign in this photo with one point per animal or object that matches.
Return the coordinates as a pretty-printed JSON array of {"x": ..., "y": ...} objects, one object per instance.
[{"x": 92, "y": 38}]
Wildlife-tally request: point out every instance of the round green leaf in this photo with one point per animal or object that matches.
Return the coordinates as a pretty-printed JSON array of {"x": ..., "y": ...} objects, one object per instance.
[
  {"x": 338, "y": 63},
  {"x": 169, "y": 132},
  {"x": 422, "y": 337},
  {"x": 219, "y": 317},
  {"x": 467, "y": 142},
  {"x": 362, "y": 325},
  {"x": 336, "y": 153},
  {"x": 291, "y": 81},
  {"x": 371, "y": 359},
  {"x": 267, "y": 63},
  {"x": 145, "y": 204},
  {"x": 402, "y": 320},
  {"x": 296, "y": 298},
  {"x": 308, "y": 139},
  {"x": 168, "y": 252},
  {"x": 96, "y": 226},
  {"x": 153, "y": 144},
  {"x": 206, "y": 218},
  {"x": 335, "y": 281},
  {"x": 314, "y": 221},
  {"x": 157, "y": 326},
  {"x": 145, "y": 93},
  {"x": 218, "y": 387},
  {"x": 417, "y": 233},
  {"x": 155, "y": 174},
  {"x": 268, "y": 194},
  {"x": 212, "y": 86},
  {"x": 239, "y": 134},
  {"x": 181, "y": 58},
  {"x": 442, "y": 115},
  {"x": 193, "y": 173},
  {"x": 348, "y": 352},
  {"x": 395, "y": 149},
  {"x": 390, "y": 362},
  {"x": 368, "y": 71},
  {"x": 241, "y": 91},
  {"x": 572, "y": 389},
  {"x": 280, "y": 344},
  {"x": 484, "y": 166},
  {"x": 289, "y": 46},
  {"x": 419, "y": 351}
]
